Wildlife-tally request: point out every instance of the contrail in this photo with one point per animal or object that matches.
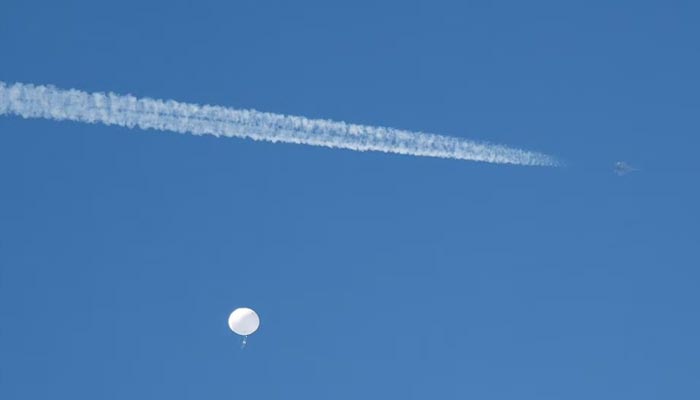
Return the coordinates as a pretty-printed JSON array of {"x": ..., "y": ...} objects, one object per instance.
[{"x": 37, "y": 101}]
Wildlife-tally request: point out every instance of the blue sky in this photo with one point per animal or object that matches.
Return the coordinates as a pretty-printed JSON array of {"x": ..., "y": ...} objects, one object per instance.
[{"x": 376, "y": 276}]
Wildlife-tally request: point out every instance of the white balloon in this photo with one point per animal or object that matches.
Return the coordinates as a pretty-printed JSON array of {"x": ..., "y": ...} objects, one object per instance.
[{"x": 243, "y": 321}]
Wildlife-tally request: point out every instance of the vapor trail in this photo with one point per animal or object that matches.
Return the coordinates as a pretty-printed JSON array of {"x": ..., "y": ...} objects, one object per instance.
[{"x": 36, "y": 101}]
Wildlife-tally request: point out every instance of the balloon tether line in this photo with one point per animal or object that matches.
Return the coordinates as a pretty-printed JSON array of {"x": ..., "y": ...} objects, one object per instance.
[{"x": 245, "y": 340}]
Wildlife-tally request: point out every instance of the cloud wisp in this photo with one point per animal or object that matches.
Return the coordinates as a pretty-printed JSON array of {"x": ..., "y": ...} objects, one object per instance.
[{"x": 49, "y": 102}]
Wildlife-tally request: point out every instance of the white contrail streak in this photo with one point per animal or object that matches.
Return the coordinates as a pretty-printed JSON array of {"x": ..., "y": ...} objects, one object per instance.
[{"x": 36, "y": 101}]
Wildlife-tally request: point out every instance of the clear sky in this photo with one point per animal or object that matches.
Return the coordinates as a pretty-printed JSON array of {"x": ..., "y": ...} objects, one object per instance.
[{"x": 122, "y": 252}]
